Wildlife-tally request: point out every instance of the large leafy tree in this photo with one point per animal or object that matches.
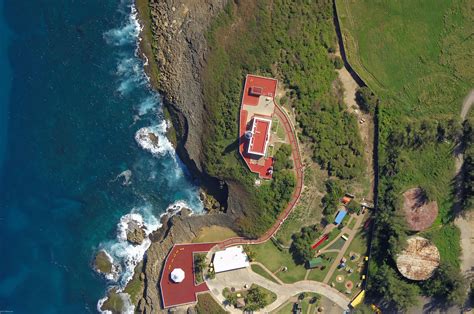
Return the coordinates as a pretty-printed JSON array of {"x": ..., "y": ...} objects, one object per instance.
[
  {"x": 392, "y": 289},
  {"x": 448, "y": 285}
]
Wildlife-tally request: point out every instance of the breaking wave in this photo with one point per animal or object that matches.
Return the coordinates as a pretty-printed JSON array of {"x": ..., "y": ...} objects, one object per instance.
[
  {"x": 127, "y": 34},
  {"x": 150, "y": 135},
  {"x": 124, "y": 255},
  {"x": 153, "y": 139}
]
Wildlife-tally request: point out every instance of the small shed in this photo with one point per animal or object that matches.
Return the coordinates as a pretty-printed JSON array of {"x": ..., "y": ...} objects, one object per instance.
[
  {"x": 315, "y": 262},
  {"x": 340, "y": 216}
]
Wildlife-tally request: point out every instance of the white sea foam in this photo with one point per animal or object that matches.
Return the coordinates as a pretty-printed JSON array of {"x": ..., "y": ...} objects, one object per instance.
[
  {"x": 126, "y": 256},
  {"x": 99, "y": 306},
  {"x": 126, "y": 34},
  {"x": 132, "y": 74},
  {"x": 149, "y": 104},
  {"x": 153, "y": 139},
  {"x": 126, "y": 175}
]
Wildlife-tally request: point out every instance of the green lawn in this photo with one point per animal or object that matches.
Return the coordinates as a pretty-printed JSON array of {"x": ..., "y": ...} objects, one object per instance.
[
  {"x": 318, "y": 275},
  {"x": 206, "y": 304},
  {"x": 447, "y": 240},
  {"x": 287, "y": 308},
  {"x": 274, "y": 259},
  {"x": 411, "y": 53},
  {"x": 337, "y": 245},
  {"x": 332, "y": 235},
  {"x": 352, "y": 223},
  {"x": 359, "y": 243},
  {"x": 262, "y": 272}
]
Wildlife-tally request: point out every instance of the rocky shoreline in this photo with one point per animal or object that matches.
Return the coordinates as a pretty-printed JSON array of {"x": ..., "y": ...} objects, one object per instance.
[{"x": 173, "y": 45}]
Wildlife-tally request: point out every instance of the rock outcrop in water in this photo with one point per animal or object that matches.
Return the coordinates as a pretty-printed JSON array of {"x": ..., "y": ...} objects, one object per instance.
[{"x": 135, "y": 234}]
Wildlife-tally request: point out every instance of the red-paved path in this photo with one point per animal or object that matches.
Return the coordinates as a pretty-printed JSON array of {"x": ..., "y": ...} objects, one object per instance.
[
  {"x": 181, "y": 255},
  {"x": 296, "y": 194}
]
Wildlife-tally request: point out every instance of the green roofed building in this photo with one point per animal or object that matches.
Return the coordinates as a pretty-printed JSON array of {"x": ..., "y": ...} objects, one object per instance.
[{"x": 315, "y": 262}]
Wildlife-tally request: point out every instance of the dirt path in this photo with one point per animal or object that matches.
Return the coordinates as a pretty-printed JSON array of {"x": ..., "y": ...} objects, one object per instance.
[
  {"x": 364, "y": 122},
  {"x": 466, "y": 105},
  {"x": 465, "y": 222}
]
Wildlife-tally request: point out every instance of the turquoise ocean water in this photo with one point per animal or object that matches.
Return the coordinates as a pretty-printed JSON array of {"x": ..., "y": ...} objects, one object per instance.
[{"x": 74, "y": 104}]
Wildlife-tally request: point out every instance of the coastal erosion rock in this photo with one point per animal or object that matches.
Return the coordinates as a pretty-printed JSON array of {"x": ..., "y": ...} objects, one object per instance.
[
  {"x": 180, "y": 228},
  {"x": 179, "y": 28},
  {"x": 103, "y": 264},
  {"x": 135, "y": 233}
]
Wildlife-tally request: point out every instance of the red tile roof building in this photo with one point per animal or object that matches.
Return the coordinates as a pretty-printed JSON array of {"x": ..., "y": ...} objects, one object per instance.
[{"x": 256, "y": 114}]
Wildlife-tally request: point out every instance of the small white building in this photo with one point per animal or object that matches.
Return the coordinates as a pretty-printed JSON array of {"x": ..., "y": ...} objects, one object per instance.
[{"x": 231, "y": 258}]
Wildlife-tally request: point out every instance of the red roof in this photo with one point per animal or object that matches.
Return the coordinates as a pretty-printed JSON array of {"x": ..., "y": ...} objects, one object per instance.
[
  {"x": 267, "y": 86},
  {"x": 261, "y": 132},
  {"x": 181, "y": 256}
]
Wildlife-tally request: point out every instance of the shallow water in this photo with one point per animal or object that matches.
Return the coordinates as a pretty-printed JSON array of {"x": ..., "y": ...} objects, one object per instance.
[{"x": 73, "y": 96}]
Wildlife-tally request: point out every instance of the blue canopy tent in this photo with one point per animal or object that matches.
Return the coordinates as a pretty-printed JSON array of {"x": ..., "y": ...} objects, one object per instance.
[{"x": 340, "y": 216}]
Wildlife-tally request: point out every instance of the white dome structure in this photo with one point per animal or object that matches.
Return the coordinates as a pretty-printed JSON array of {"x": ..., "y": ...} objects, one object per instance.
[{"x": 177, "y": 275}]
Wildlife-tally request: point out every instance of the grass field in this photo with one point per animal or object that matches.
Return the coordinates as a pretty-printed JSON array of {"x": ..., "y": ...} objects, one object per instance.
[
  {"x": 413, "y": 54},
  {"x": 274, "y": 259},
  {"x": 262, "y": 272},
  {"x": 213, "y": 234},
  {"x": 317, "y": 274},
  {"x": 417, "y": 58},
  {"x": 206, "y": 304}
]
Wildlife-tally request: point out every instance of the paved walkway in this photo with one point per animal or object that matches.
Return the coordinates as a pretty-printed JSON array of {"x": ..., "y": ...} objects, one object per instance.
[
  {"x": 239, "y": 278},
  {"x": 298, "y": 165},
  {"x": 351, "y": 234}
]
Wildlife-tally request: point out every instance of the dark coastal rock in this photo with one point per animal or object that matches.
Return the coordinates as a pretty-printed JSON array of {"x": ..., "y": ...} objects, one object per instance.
[
  {"x": 102, "y": 263},
  {"x": 135, "y": 234},
  {"x": 179, "y": 28}
]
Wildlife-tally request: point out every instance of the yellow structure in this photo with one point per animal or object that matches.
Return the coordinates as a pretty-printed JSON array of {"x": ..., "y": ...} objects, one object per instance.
[{"x": 358, "y": 299}]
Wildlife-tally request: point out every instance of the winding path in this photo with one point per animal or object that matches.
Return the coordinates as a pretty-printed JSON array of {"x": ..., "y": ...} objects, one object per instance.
[
  {"x": 245, "y": 276},
  {"x": 291, "y": 132}
]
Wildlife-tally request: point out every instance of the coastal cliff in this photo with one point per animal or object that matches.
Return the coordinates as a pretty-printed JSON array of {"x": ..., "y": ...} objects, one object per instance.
[
  {"x": 176, "y": 40},
  {"x": 174, "y": 47}
]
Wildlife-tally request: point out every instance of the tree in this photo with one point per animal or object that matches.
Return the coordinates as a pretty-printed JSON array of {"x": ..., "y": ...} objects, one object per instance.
[
  {"x": 331, "y": 199},
  {"x": 448, "y": 285},
  {"x": 367, "y": 100},
  {"x": 256, "y": 299},
  {"x": 301, "y": 245},
  {"x": 394, "y": 291},
  {"x": 250, "y": 253},
  {"x": 338, "y": 63}
]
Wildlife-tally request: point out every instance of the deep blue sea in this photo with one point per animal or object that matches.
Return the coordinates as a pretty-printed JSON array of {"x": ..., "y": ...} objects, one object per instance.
[{"x": 75, "y": 107}]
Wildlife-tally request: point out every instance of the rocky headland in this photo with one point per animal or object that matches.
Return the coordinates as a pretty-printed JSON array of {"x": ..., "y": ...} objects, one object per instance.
[{"x": 174, "y": 47}]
